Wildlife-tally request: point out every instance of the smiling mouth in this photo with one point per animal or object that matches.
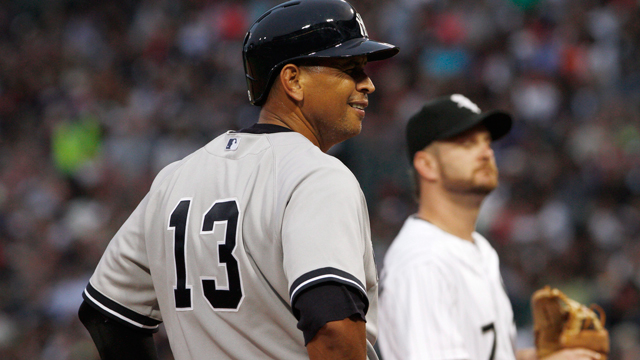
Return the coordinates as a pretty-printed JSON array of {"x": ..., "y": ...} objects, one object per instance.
[{"x": 357, "y": 106}]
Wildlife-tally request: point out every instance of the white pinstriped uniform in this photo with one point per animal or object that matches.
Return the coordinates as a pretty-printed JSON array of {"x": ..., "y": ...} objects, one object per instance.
[
  {"x": 442, "y": 298},
  {"x": 227, "y": 237}
]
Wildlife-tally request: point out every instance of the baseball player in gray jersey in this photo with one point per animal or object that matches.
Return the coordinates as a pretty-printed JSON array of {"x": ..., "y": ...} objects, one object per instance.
[
  {"x": 442, "y": 295},
  {"x": 257, "y": 246}
]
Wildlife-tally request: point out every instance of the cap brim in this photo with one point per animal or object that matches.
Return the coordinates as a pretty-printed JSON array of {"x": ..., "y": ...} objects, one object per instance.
[
  {"x": 372, "y": 49},
  {"x": 497, "y": 122}
]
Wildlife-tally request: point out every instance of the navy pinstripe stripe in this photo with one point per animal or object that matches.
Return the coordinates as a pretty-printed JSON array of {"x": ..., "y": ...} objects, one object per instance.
[
  {"x": 118, "y": 312},
  {"x": 327, "y": 274}
]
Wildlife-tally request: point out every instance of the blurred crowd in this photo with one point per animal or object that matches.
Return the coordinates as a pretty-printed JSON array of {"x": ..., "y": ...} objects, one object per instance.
[{"x": 97, "y": 96}]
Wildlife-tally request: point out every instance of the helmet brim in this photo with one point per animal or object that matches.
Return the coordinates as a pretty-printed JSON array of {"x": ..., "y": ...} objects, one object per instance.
[{"x": 374, "y": 50}]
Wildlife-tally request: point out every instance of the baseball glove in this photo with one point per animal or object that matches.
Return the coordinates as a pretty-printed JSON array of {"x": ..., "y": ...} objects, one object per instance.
[{"x": 560, "y": 323}]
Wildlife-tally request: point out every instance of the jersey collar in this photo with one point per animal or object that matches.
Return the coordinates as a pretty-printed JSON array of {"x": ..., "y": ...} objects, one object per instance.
[{"x": 264, "y": 129}]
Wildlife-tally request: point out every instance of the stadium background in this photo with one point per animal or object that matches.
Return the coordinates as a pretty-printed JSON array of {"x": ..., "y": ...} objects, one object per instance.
[{"x": 97, "y": 96}]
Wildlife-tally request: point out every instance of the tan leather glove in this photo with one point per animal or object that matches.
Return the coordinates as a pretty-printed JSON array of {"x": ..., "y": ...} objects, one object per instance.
[{"x": 560, "y": 323}]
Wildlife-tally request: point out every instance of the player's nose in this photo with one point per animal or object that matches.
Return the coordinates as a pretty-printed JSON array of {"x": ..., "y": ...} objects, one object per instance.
[
  {"x": 486, "y": 151},
  {"x": 365, "y": 85}
]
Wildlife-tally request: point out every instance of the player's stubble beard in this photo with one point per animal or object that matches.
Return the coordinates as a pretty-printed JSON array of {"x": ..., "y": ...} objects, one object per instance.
[
  {"x": 346, "y": 127},
  {"x": 472, "y": 185}
]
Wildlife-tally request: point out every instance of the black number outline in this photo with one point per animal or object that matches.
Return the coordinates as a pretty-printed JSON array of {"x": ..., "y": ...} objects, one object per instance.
[{"x": 220, "y": 298}]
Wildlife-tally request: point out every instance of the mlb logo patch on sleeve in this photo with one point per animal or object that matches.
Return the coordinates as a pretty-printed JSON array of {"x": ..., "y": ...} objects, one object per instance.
[{"x": 232, "y": 144}]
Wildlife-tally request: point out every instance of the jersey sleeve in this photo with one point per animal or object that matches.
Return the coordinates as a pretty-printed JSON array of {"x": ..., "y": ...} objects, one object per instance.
[
  {"x": 326, "y": 302},
  {"x": 121, "y": 286},
  {"x": 324, "y": 233},
  {"x": 418, "y": 316}
]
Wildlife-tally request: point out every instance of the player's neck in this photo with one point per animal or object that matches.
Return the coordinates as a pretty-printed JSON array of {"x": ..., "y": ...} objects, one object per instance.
[
  {"x": 453, "y": 213},
  {"x": 283, "y": 114}
]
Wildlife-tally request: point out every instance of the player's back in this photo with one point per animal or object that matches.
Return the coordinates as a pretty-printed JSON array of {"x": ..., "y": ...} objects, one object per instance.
[
  {"x": 229, "y": 237},
  {"x": 213, "y": 238}
]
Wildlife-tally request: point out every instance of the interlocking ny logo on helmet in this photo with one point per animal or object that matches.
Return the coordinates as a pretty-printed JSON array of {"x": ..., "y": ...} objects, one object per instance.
[{"x": 304, "y": 29}]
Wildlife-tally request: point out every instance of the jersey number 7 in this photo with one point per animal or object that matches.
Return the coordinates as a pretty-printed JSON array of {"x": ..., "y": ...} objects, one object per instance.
[{"x": 220, "y": 298}]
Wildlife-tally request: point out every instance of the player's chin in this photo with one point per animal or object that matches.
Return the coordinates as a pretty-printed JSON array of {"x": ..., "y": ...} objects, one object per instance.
[
  {"x": 353, "y": 125},
  {"x": 485, "y": 187},
  {"x": 346, "y": 131},
  {"x": 484, "y": 183},
  {"x": 352, "y": 131}
]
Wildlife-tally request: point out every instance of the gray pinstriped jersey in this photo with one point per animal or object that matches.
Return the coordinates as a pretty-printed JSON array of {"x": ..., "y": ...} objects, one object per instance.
[{"x": 226, "y": 239}]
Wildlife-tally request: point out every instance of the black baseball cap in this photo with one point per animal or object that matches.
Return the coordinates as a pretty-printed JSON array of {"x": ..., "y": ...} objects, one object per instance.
[{"x": 449, "y": 116}]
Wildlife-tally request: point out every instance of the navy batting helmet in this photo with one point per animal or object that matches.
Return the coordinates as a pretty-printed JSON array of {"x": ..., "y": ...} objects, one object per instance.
[{"x": 304, "y": 29}]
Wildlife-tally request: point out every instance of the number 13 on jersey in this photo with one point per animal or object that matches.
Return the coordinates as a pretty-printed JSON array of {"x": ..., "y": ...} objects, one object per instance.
[{"x": 220, "y": 298}]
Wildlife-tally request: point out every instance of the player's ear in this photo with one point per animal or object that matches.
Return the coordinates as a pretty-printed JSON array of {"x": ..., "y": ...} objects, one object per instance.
[
  {"x": 290, "y": 81},
  {"x": 426, "y": 165}
]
